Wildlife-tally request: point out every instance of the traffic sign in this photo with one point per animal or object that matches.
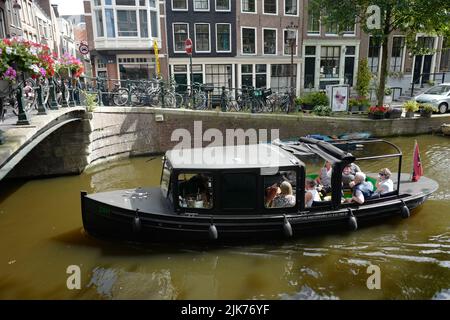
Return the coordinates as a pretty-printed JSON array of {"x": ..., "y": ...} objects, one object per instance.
[
  {"x": 188, "y": 46},
  {"x": 83, "y": 48}
]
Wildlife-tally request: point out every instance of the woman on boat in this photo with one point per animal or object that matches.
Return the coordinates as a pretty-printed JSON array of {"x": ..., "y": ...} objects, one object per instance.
[
  {"x": 324, "y": 178},
  {"x": 384, "y": 182},
  {"x": 348, "y": 174},
  {"x": 311, "y": 194},
  {"x": 285, "y": 199}
]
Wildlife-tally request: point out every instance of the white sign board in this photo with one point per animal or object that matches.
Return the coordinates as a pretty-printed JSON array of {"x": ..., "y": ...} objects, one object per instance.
[{"x": 339, "y": 96}]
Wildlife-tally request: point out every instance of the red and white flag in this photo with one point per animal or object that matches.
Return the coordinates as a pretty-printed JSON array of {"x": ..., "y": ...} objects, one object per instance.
[{"x": 417, "y": 164}]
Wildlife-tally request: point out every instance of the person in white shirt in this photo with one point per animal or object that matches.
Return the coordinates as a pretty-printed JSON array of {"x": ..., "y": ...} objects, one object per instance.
[
  {"x": 384, "y": 182},
  {"x": 311, "y": 194}
]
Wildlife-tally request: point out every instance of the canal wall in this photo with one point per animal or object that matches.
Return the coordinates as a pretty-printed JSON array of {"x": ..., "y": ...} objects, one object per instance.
[{"x": 112, "y": 133}]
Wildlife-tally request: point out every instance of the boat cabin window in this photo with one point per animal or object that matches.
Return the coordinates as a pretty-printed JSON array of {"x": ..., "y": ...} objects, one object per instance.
[
  {"x": 239, "y": 190},
  {"x": 165, "y": 178},
  {"x": 195, "y": 190},
  {"x": 280, "y": 190}
]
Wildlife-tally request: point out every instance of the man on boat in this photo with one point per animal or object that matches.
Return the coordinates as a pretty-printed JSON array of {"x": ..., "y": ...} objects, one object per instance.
[
  {"x": 362, "y": 190},
  {"x": 348, "y": 174}
]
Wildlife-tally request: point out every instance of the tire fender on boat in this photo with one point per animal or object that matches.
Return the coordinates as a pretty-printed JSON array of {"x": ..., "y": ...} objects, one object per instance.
[
  {"x": 352, "y": 222},
  {"x": 213, "y": 233},
  {"x": 287, "y": 228},
  {"x": 404, "y": 211},
  {"x": 137, "y": 222}
]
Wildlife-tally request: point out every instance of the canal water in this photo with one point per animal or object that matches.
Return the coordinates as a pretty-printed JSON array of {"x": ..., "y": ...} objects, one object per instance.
[{"x": 41, "y": 236}]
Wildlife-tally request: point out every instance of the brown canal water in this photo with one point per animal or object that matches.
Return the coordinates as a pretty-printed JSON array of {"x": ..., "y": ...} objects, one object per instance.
[{"x": 41, "y": 235}]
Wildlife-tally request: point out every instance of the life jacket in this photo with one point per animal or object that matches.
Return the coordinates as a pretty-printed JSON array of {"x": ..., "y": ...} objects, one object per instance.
[{"x": 366, "y": 189}]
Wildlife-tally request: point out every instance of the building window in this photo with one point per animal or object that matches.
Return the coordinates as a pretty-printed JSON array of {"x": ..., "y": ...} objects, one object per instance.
[
  {"x": 398, "y": 45},
  {"x": 136, "y": 68},
  {"x": 201, "y": 5},
  {"x": 154, "y": 21},
  {"x": 445, "y": 55},
  {"x": 331, "y": 28},
  {"x": 125, "y": 2},
  {"x": 313, "y": 22},
  {"x": 223, "y": 5},
  {"x": 143, "y": 21},
  {"x": 270, "y": 41},
  {"x": 2, "y": 24},
  {"x": 310, "y": 67},
  {"x": 180, "y": 34},
  {"x": 248, "y": 40},
  {"x": 248, "y": 6},
  {"x": 202, "y": 41},
  {"x": 247, "y": 75},
  {"x": 110, "y": 29},
  {"x": 220, "y": 75},
  {"x": 287, "y": 34},
  {"x": 99, "y": 23},
  {"x": 261, "y": 75},
  {"x": 281, "y": 76},
  {"x": 374, "y": 54},
  {"x": 270, "y": 6},
  {"x": 127, "y": 23},
  {"x": 179, "y": 4},
  {"x": 223, "y": 37},
  {"x": 349, "y": 30},
  {"x": 329, "y": 62},
  {"x": 291, "y": 7}
]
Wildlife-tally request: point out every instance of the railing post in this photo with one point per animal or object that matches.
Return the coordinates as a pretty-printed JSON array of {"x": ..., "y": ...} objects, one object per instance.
[
  {"x": 64, "y": 103},
  {"x": 40, "y": 102},
  {"x": 412, "y": 88},
  {"x": 443, "y": 77},
  {"x": 71, "y": 94},
  {"x": 163, "y": 89},
  {"x": 128, "y": 84},
  {"x": 53, "y": 101},
  {"x": 23, "y": 118},
  {"x": 2, "y": 139},
  {"x": 223, "y": 103}
]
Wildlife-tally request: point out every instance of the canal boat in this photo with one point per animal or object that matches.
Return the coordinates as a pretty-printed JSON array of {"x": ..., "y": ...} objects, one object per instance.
[{"x": 251, "y": 192}]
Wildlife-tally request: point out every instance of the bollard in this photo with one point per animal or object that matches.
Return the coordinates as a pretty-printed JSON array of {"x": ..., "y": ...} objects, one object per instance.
[
  {"x": 223, "y": 102},
  {"x": 40, "y": 102},
  {"x": 64, "y": 103},
  {"x": 23, "y": 118},
  {"x": 53, "y": 104},
  {"x": 163, "y": 105}
]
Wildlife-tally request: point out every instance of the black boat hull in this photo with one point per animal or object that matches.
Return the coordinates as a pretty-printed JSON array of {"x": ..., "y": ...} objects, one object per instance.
[{"x": 111, "y": 222}]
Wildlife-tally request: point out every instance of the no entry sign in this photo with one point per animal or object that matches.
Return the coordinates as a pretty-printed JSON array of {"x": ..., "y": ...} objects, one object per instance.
[
  {"x": 188, "y": 46},
  {"x": 83, "y": 48}
]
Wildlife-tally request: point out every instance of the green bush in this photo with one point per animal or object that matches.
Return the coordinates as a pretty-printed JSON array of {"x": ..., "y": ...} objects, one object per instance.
[
  {"x": 363, "y": 78},
  {"x": 387, "y": 91},
  {"x": 428, "y": 108},
  {"x": 322, "y": 110},
  {"x": 411, "y": 106},
  {"x": 91, "y": 100},
  {"x": 315, "y": 99}
]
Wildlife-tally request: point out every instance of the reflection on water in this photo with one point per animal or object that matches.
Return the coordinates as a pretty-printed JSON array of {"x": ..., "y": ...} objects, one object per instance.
[{"x": 41, "y": 235}]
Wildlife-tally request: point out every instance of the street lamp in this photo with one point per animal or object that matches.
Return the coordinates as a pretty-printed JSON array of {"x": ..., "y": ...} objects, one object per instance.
[{"x": 291, "y": 36}]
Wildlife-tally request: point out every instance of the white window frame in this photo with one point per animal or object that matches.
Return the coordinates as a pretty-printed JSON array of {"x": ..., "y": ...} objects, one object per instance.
[
  {"x": 201, "y": 10},
  {"x": 231, "y": 36},
  {"x": 291, "y": 15},
  {"x": 242, "y": 41},
  {"x": 276, "y": 42},
  {"x": 313, "y": 34},
  {"x": 296, "y": 43},
  {"x": 270, "y": 14},
  {"x": 187, "y": 6},
  {"x": 249, "y": 12},
  {"x": 173, "y": 35},
  {"x": 209, "y": 37},
  {"x": 229, "y": 7}
]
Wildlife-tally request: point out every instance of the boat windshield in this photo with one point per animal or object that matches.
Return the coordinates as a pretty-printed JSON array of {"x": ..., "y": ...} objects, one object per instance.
[
  {"x": 280, "y": 190},
  {"x": 195, "y": 190},
  {"x": 165, "y": 178}
]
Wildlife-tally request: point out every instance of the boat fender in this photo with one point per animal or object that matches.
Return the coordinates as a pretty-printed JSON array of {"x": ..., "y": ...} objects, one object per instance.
[
  {"x": 404, "y": 211},
  {"x": 137, "y": 222},
  {"x": 213, "y": 233},
  {"x": 352, "y": 222},
  {"x": 287, "y": 228}
]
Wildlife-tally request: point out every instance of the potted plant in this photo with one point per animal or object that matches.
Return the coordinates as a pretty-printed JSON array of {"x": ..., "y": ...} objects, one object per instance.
[
  {"x": 377, "y": 112},
  {"x": 312, "y": 99},
  {"x": 394, "y": 113},
  {"x": 298, "y": 104},
  {"x": 410, "y": 107},
  {"x": 322, "y": 110},
  {"x": 363, "y": 78},
  {"x": 427, "y": 109},
  {"x": 388, "y": 95},
  {"x": 353, "y": 105},
  {"x": 69, "y": 67}
]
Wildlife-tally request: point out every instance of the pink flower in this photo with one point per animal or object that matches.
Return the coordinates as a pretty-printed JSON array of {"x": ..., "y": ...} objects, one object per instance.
[{"x": 43, "y": 72}]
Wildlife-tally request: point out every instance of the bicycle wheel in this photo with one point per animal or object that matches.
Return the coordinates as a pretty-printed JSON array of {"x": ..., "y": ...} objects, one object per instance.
[
  {"x": 137, "y": 98},
  {"x": 200, "y": 101},
  {"x": 120, "y": 97},
  {"x": 169, "y": 100},
  {"x": 179, "y": 100},
  {"x": 29, "y": 97}
]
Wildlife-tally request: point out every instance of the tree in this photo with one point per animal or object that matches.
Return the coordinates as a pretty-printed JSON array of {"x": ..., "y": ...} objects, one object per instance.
[
  {"x": 408, "y": 16},
  {"x": 363, "y": 78}
]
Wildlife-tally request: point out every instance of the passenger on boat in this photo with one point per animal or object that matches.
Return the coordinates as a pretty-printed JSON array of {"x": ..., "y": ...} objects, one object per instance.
[
  {"x": 324, "y": 178},
  {"x": 195, "y": 192},
  {"x": 384, "y": 182},
  {"x": 362, "y": 190},
  {"x": 348, "y": 174},
  {"x": 285, "y": 199},
  {"x": 271, "y": 193},
  {"x": 311, "y": 194}
]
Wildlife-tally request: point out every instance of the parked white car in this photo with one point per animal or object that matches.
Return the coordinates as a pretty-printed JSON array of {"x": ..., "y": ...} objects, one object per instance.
[{"x": 439, "y": 96}]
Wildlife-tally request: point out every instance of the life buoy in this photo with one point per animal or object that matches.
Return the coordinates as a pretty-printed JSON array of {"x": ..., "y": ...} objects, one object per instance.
[{"x": 287, "y": 228}]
